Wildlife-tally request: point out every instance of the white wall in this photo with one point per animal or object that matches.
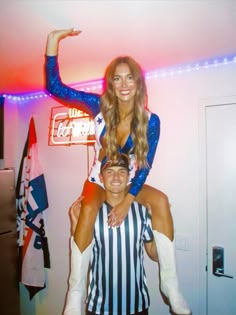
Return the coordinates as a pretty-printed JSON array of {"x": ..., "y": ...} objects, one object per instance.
[{"x": 175, "y": 171}]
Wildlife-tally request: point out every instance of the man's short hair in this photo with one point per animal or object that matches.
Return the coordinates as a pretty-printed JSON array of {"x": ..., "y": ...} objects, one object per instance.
[{"x": 120, "y": 160}]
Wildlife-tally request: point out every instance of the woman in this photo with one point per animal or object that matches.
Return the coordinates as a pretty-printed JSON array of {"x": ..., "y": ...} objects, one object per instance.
[{"x": 123, "y": 124}]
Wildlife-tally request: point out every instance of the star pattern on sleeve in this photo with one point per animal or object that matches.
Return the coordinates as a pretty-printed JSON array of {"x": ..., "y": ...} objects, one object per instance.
[{"x": 99, "y": 120}]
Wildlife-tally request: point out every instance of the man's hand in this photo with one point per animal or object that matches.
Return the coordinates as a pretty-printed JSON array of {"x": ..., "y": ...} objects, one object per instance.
[{"x": 74, "y": 212}]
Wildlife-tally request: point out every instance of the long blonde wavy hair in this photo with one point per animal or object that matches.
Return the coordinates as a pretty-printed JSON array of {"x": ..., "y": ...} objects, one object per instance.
[{"x": 110, "y": 111}]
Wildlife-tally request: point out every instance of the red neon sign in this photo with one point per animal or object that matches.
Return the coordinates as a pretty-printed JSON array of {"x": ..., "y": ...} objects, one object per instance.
[{"x": 70, "y": 126}]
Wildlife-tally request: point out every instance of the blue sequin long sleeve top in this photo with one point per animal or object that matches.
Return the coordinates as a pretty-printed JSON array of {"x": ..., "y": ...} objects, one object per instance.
[{"x": 90, "y": 104}]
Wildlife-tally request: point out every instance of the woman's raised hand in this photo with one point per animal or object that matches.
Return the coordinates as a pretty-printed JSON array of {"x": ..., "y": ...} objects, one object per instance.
[
  {"x": 117, "y": 214},
  {"x": 54, "y": 38},
  {"x": 61, "y": 34}
]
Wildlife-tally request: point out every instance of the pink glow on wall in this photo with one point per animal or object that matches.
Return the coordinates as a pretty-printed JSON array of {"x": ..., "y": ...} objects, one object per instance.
[{"x": 97, "y": 85}]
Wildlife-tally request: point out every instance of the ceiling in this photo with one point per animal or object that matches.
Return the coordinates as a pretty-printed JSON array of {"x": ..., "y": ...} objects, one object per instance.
[{"x": 156, "y": 33}]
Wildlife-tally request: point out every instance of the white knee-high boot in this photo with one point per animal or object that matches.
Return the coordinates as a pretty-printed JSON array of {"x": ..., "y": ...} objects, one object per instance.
[
  {"x": 168, "y": 274},
  {"x": 77, "y": 280}
]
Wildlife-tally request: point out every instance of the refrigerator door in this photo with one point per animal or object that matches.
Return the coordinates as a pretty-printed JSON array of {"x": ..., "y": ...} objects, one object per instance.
[
  {"x": 7, "y": 201},
  {"x": 9, "y": 285}
]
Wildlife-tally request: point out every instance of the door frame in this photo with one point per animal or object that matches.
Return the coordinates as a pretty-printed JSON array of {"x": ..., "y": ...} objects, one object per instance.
[{"x": 216, "y": 101}]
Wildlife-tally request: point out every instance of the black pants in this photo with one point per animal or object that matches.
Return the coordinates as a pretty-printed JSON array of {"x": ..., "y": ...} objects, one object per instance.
[{"x": 145, "y": 312}]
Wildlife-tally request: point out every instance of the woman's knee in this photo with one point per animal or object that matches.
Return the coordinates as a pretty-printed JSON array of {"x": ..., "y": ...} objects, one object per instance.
[
  {"x": 161, "y": 200},
  {"x": 158, "y": 200},
  {"x": 160, "y": 209}
]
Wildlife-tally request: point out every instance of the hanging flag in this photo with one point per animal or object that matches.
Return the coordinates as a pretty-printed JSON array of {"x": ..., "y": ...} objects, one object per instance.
[{"x": 31, "y": 198}]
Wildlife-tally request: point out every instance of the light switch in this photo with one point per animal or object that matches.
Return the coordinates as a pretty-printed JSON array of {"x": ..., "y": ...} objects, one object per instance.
[{"x": 182, "y": 242}]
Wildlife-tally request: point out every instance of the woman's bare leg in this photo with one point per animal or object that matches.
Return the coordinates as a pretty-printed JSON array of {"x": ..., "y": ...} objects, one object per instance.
[
  {"x": 93, "y": 198},
  {"x": 163, "y": 232},
  {"x": 161, "y": 215},
  {"x": 81, "y": 246}
]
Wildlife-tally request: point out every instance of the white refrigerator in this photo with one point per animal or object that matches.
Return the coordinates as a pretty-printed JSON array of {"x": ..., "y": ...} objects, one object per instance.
[{"x": 9, "y": 285}]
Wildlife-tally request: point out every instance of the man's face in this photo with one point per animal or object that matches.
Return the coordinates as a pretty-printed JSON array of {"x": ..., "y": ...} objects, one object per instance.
[{"x": 115, "y": 179}]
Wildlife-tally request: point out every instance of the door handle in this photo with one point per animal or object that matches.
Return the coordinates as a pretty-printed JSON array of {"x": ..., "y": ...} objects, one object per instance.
[{"x": 218, "y": 262}]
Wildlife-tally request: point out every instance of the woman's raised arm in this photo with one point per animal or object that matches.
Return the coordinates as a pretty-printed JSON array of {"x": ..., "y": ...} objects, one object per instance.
[{"x": 55, "y": 37}]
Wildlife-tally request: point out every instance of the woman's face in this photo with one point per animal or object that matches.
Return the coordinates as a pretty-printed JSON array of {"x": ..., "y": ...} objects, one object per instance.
[{"x": 124, "y": 84}]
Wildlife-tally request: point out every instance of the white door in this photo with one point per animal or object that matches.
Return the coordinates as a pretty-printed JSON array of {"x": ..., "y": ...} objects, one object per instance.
[{"x": 221, "y": 208}]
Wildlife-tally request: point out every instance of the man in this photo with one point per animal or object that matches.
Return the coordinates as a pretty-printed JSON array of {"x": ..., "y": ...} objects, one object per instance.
[{"x": 117, "y": 281}]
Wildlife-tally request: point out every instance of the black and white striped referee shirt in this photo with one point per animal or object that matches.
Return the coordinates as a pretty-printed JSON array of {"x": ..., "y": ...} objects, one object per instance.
[{"x": 117, "y": 280}]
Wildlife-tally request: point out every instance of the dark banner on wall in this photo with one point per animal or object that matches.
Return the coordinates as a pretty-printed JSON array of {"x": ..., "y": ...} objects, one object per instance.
[{"x": 32, "y": 202}]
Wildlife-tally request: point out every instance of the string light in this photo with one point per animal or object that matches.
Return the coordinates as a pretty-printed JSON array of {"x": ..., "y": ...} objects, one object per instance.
[{"x": 96, "y": 85}]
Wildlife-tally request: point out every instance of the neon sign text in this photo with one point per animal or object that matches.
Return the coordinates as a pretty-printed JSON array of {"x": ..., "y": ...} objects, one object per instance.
[{"x": 70, "y": 126}]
